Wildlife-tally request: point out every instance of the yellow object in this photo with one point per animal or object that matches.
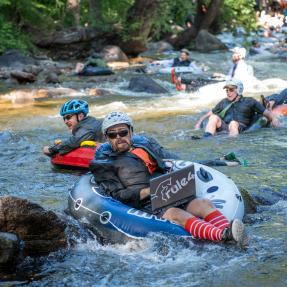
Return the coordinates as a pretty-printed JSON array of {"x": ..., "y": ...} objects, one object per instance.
[
  {"x": 88, "y": 143},
  {"x": 57, "y": 141}
]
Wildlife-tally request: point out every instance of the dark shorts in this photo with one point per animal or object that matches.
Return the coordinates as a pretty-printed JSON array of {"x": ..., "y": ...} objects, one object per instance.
[
  {"x": 224, "y": 127},
  {"x": 147, "y": 208}
]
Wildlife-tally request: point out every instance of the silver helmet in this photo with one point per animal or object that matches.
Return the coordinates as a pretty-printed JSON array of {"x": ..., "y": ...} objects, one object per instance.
[
  {"x": 116, "y": 118},
  {"x": 235, "y": 83}
]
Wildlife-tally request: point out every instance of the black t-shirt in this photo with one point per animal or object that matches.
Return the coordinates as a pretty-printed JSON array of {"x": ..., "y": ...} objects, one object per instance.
[{"x": 241, "y": 111}]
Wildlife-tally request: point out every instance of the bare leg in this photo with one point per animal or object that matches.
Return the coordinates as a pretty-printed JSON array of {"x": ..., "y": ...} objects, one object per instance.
[
  {"x": 214, "y": 123},
  {"x": 233, "y": 128},
  {"x": 200, "y": 207},
  {"x": 79, "y": 67}
]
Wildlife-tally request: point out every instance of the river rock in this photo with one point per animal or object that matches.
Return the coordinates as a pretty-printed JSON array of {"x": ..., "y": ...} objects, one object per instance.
[
  {"x": 99, "y": 92},
  {"x": 10, "y": 250},
  {"x": 206, "y": 42},
  {"x": 145, "y": 84},
  {"x": 114, "y": 54},
  {"x": 41, "y": 231},
  {"x": 31, "y": 94},
  {"x": 52, "y": 78},
  {"x": 15, "y": 59},
  {"x": 158, "y": 47},
  {"x": 23, "y": 77},
  {"x": 32, "y": 69},
  {"x": 250, "y": 204}
]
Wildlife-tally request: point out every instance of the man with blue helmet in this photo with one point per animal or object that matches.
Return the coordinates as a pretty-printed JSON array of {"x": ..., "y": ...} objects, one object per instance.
[{"x": 83, "y": 127}]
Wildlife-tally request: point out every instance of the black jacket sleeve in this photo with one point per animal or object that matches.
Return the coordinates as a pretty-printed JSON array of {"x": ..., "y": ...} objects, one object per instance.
[
  {"x": 87, "y": 129},
  {"x": 72, "y": 142},
  {"x": 123, "y": 179}
]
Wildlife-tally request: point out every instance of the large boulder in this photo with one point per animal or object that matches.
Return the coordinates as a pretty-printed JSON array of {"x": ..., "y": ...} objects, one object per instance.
[
  {"x": 114, "y": 54},
  {"x": 42, "y": 231},
  {"x": 146, "y": 84},
  {"x": 23, "y": 77},
  {"x": 15, "y": 59},
  {"x": 10, "y": 250},
  {"x": 206, "y": 42},
  {"x": 159, "y": 47}
]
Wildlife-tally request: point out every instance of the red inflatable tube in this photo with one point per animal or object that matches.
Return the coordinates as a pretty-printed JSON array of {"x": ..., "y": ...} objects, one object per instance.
[{"x": 78, "y": 158}]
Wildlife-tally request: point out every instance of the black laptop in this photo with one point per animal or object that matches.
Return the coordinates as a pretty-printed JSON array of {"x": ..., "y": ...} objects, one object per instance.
[{"x": 172, "y": 189}]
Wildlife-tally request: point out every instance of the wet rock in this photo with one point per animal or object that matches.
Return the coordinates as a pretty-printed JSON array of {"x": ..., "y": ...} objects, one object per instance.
[
  {"x": 52, "y": 78},
  {"x": 118, "y": 65},
  {"x": 249, "y": 203},
  {"x": 206, "y": 42},
  {"x": 158, "y": 47},
  {"x": 145, "y": 84},
  {"x": 32, "y": 69},
  {"x": 10, "y": 251},
  {"x": 30, "y": 95},
  {"x": 113, "y": 54},
  {"x": 267, "y": 196},
  {"x": 99, "y": 92},
  {"x": 16, "y": 59},
  {"x": 4, "y": 74},
  {"x": 23, "y": 77},
  {"x": 41, "y": 230}
]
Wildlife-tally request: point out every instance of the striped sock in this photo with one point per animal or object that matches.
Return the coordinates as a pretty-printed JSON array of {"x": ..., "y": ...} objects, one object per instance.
[
  {"x": 203, "y": 230},
  {"x": 217, "y": 219}
]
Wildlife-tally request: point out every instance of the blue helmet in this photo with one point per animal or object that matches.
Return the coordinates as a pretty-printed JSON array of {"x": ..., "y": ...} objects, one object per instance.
[{"x": 75, "y": 107}]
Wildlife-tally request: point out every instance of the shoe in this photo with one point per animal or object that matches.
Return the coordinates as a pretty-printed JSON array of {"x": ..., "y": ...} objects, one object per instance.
[
  {"x": 173, "y": 76},
  {"x": 236, "y": 232}
]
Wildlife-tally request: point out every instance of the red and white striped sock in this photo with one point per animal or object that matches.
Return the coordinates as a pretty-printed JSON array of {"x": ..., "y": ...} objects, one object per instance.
[
  {"x": 203, "y": 230},
  {"x": 217, "y": 219}
]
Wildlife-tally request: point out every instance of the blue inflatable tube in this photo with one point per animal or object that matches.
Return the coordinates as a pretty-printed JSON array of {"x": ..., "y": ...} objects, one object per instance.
[
  {"x": 112, "y": 220},
  {"x": 115, "y": 222}
]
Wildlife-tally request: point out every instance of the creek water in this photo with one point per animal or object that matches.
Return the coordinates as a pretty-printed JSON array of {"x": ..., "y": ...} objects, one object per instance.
[{"x": 155, "y": 261}]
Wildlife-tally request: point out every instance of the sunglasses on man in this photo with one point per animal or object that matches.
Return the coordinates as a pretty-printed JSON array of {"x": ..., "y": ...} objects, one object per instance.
[
  {"x": 67, "y": 117},
  {"x": 122, "y": 133},
  {"x": 230, "y": 89}
]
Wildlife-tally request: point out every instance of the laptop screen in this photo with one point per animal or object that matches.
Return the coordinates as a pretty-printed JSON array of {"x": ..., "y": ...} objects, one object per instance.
[{"x": 172, "y": 189}]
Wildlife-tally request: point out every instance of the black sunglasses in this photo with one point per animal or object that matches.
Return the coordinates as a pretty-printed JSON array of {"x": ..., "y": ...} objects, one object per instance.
[
  {"x": 67, "y": 117},
  {"x": 122, "y": 133}
]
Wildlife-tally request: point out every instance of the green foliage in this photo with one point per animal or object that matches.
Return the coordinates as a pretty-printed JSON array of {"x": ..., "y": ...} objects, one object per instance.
[
  {"x": 12, "y": 38},
  {"x": 235, "y": 13},
  {"x": 48, "y": 15},
  {"x": 172, "y": 13}
]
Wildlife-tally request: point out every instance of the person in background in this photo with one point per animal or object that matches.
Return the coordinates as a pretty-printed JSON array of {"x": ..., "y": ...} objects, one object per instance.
[
  {"x": 256, "y": 48},
  {"x": 95, "y": 60},
  {"x": 124, "y": 166},
  {"x": 189, "y": 21},
  {"x": 270, "y": 102},
  {"x": 83, "y": 127},
  {"x": 234, "y": 113},
  {"x": 239, "y": 70},
  {"x": 183, "y": 59}
]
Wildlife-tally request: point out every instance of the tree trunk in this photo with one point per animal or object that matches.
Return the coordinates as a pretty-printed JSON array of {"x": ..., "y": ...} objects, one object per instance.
[
  {"x": 202, "y": 21},
  {"x": 140, "y": 19},
  {"x": 95, "y": 11},
  {"x": 73, "y": 7},
  {"x": 212, "y": 12}
]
